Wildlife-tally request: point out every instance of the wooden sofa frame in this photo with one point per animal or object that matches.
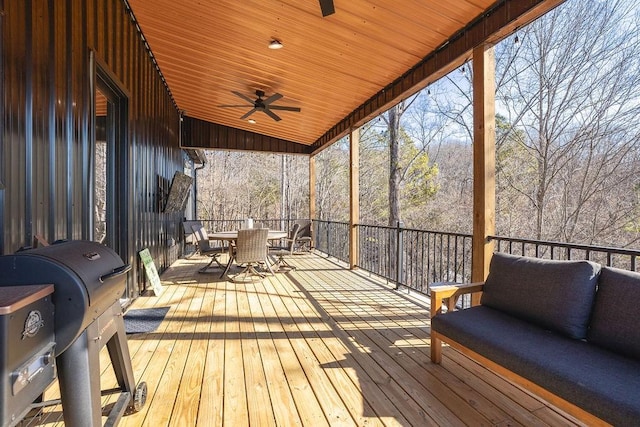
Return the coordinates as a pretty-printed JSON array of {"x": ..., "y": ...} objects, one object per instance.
[{"x": 447, "y": 296}]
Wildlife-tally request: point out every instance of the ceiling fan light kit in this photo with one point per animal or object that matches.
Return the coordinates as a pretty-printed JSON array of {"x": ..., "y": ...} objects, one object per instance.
[
  {"x": 275, "y": 44},
  {"x": 261, "y": 104}
]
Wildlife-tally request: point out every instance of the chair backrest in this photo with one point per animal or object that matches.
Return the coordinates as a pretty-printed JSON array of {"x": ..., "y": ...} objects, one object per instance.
[
  {"x": 251, "y": 245},
  {"x": 293, "y": 235},
  {"x": 201, "y": 237},
  {"x": 188, "y": 230},
  {"x": 305, "y": 229}
]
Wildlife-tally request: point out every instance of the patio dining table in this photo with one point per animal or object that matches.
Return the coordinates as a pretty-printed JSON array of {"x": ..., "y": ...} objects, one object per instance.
[{"x": 232, "y": 236}]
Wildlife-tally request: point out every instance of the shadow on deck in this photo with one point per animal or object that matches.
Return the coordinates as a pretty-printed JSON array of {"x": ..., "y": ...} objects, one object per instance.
[{"x": 320, "y": 345}]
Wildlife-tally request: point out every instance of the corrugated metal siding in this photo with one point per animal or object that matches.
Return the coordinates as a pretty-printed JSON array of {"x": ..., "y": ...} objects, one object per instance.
[{"x": 46, "y": 128}]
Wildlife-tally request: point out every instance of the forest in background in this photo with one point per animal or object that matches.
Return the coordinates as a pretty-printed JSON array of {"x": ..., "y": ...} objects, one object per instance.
[{"x": 567, "y": 136}]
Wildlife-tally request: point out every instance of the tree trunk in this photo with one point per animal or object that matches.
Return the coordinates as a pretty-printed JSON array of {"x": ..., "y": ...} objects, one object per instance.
[{"x": 394, "y": 167}]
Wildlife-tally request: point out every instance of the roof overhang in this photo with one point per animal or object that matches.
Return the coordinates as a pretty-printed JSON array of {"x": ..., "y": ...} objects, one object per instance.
[{"x": 342, "y": 70}]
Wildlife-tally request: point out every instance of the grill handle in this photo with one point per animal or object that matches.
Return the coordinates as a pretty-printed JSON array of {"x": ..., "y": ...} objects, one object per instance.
[{"x": 115, "y": 273}]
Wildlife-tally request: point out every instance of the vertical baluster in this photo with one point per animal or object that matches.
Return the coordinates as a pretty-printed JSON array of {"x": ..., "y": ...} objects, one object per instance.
[
  {"x": 448, "y": 262},
  {"x": 397, "y": 260},
  {"x": 455, "y": 259},
  {"x": 428, "y": 271}
]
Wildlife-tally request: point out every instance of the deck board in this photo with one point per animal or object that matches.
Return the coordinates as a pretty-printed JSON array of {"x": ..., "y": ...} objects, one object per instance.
[{"x": 320, "y": 345}]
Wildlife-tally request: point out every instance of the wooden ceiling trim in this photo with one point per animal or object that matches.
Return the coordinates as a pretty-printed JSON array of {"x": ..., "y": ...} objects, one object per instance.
[
  {"x": 200, "y": 134},
  {"x": 491, "y": 27}
]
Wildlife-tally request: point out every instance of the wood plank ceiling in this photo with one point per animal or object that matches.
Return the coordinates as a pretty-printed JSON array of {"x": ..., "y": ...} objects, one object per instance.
[{"x": 328, "y": 66}]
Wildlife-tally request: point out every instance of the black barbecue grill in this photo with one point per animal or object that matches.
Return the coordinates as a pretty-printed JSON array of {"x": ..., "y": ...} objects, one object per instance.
[{"x": 89, "y": 280}]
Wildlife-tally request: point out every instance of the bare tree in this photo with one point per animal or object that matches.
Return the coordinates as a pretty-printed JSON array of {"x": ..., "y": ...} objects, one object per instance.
[
  {"x": 440, "y": 124},
  {"x": 567, "y": 140},
  {"x": 374, "y": 180},
  {"x": 332, "y": 182},
  {"x": 236, "y": 185},
  {"x": 408, "y": 161},
  {"x": 570, "y": 86},
  {"x": 393, "y": 124}
]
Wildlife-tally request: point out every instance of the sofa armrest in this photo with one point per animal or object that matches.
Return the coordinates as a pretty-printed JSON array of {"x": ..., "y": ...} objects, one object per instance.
[{"x": 449, "y": 295}]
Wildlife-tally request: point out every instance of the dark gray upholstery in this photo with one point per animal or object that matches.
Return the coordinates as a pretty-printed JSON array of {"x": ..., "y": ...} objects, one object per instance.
[
  {"x": 616, "y": 312},
  {"x": 557, "y": 295},
  {"x": 601, "y": 382}
]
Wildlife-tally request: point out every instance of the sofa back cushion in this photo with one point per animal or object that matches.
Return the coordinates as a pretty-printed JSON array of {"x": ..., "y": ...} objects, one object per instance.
[
  {"x": 614, "y": 322},
  {"x": 556, "y": 295}
]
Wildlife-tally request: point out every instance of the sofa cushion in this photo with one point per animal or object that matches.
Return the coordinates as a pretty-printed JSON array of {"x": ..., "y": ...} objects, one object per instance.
[
  {"x": 604, "y": 383},
  {"x": 557, "y": 295},
  {"x": 614, "y": 321}
]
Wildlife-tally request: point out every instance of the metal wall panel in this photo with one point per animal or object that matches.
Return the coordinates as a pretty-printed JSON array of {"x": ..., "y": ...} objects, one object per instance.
[
  {"x": 46, "y": 127},
  {"x": 202, "y": 134}
]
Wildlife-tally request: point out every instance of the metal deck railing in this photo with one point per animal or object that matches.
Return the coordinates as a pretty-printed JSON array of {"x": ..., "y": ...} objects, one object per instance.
[{"x": 416, "y": 259}]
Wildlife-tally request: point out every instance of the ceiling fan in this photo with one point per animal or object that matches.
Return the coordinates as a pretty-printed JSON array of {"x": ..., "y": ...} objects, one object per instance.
[
  {"x": 261, "y": 104},
  {"x": 326, "y": 6}
]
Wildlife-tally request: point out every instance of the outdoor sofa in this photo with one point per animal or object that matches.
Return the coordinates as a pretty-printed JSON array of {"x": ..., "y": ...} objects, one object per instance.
[{"x": 567, "y": 330}]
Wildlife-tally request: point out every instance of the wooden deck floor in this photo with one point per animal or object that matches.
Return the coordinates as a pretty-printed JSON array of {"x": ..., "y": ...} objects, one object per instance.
[{"x": 314, "y": 347}]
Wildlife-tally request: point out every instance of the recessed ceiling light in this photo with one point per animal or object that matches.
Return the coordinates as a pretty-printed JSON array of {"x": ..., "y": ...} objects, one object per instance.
[
  {"x": 253, "y": 122},
  {"x": 275, "y": 44}
]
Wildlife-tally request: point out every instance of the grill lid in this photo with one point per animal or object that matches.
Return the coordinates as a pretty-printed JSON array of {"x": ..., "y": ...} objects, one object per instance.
[{"x": 88, "y": 278}]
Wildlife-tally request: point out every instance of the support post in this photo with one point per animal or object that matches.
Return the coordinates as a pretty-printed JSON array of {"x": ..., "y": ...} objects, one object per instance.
[
  {"x": 354, "y": 196},
  {"x": 484, "y": 154},
  {"x": 312, "y": 197}
]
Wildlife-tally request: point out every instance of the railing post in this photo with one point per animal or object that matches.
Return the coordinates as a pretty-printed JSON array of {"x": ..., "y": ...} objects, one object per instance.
[{"x": 399, "y": 253}]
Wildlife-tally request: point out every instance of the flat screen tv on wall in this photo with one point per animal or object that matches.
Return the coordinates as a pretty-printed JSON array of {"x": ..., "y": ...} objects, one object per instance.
[{"x": 178, "y": 193}]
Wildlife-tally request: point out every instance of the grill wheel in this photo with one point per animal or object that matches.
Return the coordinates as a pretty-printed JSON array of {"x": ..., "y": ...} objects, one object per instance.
[{"x": 140, "y": 396}]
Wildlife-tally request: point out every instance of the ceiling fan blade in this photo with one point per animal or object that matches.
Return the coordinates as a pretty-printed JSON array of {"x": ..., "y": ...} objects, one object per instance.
[
  {"x": 253, "y": 110},
  {"x": 283, "y": 108},
  {"x": 234, "y": 106},
  {"x": 272, "y": 98},
  {"x": 271, "y": 114},
  {"x": 245, "y": 97},
  {"x": 326, "y": 6}
]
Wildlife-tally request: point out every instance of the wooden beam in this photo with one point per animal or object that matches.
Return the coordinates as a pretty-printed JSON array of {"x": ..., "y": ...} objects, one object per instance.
[
  {"x": 312, "y": 191},
  {"x": 354, "y": 195},
  {"x": 489, "y": 28},
  {"x": 484, "y": 154}
]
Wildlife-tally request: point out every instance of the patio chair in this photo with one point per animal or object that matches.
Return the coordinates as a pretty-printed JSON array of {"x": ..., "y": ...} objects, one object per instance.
[
  {"x": 288, "y": 249},
  {"x": 303, "y": 241},
  {"x": 251, "y": 251},
  {"x": 190, "y": 237},
  {"x": 204, "y": 248}
]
